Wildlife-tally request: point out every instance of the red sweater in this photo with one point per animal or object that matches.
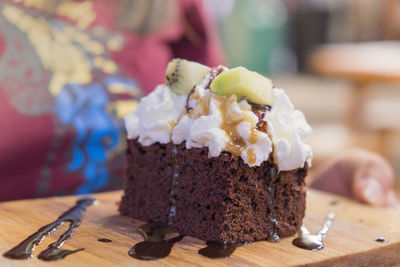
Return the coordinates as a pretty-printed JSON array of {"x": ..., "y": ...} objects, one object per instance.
[{"x": 66, "y": 80}]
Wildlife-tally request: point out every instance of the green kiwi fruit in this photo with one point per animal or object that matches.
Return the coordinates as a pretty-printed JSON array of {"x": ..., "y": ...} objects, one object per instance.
[
  {"x": 250, "y": 85},
  {"x": 181, "y": 75}
]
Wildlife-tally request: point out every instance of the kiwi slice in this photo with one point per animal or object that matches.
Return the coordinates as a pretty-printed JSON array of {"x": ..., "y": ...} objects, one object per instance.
[
  {"x": 181, "y": 75},
  {"x": 250, "y": 85}
]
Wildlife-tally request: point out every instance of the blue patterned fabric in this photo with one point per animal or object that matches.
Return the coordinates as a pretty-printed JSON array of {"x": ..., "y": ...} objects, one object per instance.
[{"x": 84, "y": 107}]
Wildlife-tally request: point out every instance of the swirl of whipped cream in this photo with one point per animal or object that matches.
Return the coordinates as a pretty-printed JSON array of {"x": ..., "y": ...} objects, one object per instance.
[
  {"x": 259, "y": 150},
  {"x": 204, "y": 129},
  {"x": 207, "y": 125},
  {"x": 155, "y": 116},
  {"x": 288, "y": 129}
]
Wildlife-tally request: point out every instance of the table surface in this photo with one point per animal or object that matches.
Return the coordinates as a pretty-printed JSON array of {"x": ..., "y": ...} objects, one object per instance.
[
  {"x": 365, "y": 61},
  {"x": 351, "y": 239}
]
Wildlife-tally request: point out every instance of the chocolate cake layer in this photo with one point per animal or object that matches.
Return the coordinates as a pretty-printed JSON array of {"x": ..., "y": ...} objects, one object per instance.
[{"x": 219, "y": 198}]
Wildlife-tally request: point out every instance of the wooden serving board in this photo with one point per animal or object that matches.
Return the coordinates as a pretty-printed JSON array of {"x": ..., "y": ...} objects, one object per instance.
[{"x": 351, "y": 240}]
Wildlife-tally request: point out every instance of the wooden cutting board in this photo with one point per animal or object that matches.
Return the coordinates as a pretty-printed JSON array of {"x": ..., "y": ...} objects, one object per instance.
[{"x": 351, "y": 240}]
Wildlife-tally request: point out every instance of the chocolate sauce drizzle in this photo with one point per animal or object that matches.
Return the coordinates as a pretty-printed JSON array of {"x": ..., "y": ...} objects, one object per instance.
[
  {"x": 262, "y": 125},
  {"x": 174, "y": 183},
  {"x": 213, "y": 74},
  {"x": 104, "y": 240},
  {"x": 54, "y": 252},
  {"x": 155, "y": 246},
  {"x": 314, "y": 242},
  {"x": 74, "y": 215},
  {"x": 260, "y": 111},
  {"x": 208, "y": 78},
  {"x": 381, "y": 240},
  {"x": 273, "y": 231}
]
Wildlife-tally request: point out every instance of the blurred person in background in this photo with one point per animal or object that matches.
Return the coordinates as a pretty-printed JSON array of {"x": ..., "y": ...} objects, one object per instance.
[{"x": 70, "y": 70}]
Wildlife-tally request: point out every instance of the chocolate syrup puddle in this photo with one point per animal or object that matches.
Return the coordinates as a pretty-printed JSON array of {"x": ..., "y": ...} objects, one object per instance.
[
  {"x": 147, "y": 250},
  {"x": 155, "y": 245},
  {"x": 74, "y": 215},
  {"x": 314, "y": 242},
  {"x": 218, "y": 249}
]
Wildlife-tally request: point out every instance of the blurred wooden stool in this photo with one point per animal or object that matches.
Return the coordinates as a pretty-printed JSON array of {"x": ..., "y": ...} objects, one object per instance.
[{"x": 362, "y": 64}]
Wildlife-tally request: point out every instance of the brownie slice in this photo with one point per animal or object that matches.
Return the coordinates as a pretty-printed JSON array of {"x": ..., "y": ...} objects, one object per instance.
[{"x": 218, "y": 198}]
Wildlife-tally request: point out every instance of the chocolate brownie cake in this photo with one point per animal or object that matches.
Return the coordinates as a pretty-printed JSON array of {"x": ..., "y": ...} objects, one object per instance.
[{"x": 219, "y": 154}]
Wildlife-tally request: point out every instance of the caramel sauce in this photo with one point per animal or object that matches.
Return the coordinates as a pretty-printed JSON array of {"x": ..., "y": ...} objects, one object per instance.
[
  {"x": 235, "y": 145},
  {"x": 172, "y": 123},
  {"x": 230, "y": 121},
  {"x": 251, "y": 157},
  {"x": 202, "y": 107},
  {"x": 253, "y": 136}
]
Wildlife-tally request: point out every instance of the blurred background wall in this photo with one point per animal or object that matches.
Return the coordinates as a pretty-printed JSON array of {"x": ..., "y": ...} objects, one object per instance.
[{"x": 338, "y": 60}]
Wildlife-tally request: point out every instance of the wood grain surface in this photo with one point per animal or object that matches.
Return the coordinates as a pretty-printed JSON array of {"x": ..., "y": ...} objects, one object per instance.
[{"x": 351, "y": 240}]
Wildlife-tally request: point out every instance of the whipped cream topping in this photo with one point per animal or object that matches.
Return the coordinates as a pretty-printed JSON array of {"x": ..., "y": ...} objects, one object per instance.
[
  {"x": 288, "y": 128},
  {"x": 155, "y": 116},
  {"x": 204, "y": 128},
  {"x": 221, "y": 123}
]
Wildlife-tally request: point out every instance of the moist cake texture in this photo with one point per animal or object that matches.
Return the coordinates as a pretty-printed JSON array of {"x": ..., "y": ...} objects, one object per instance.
[
  {"x": 218, "y": 198},
  {"x": 217, "y": 166}
]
